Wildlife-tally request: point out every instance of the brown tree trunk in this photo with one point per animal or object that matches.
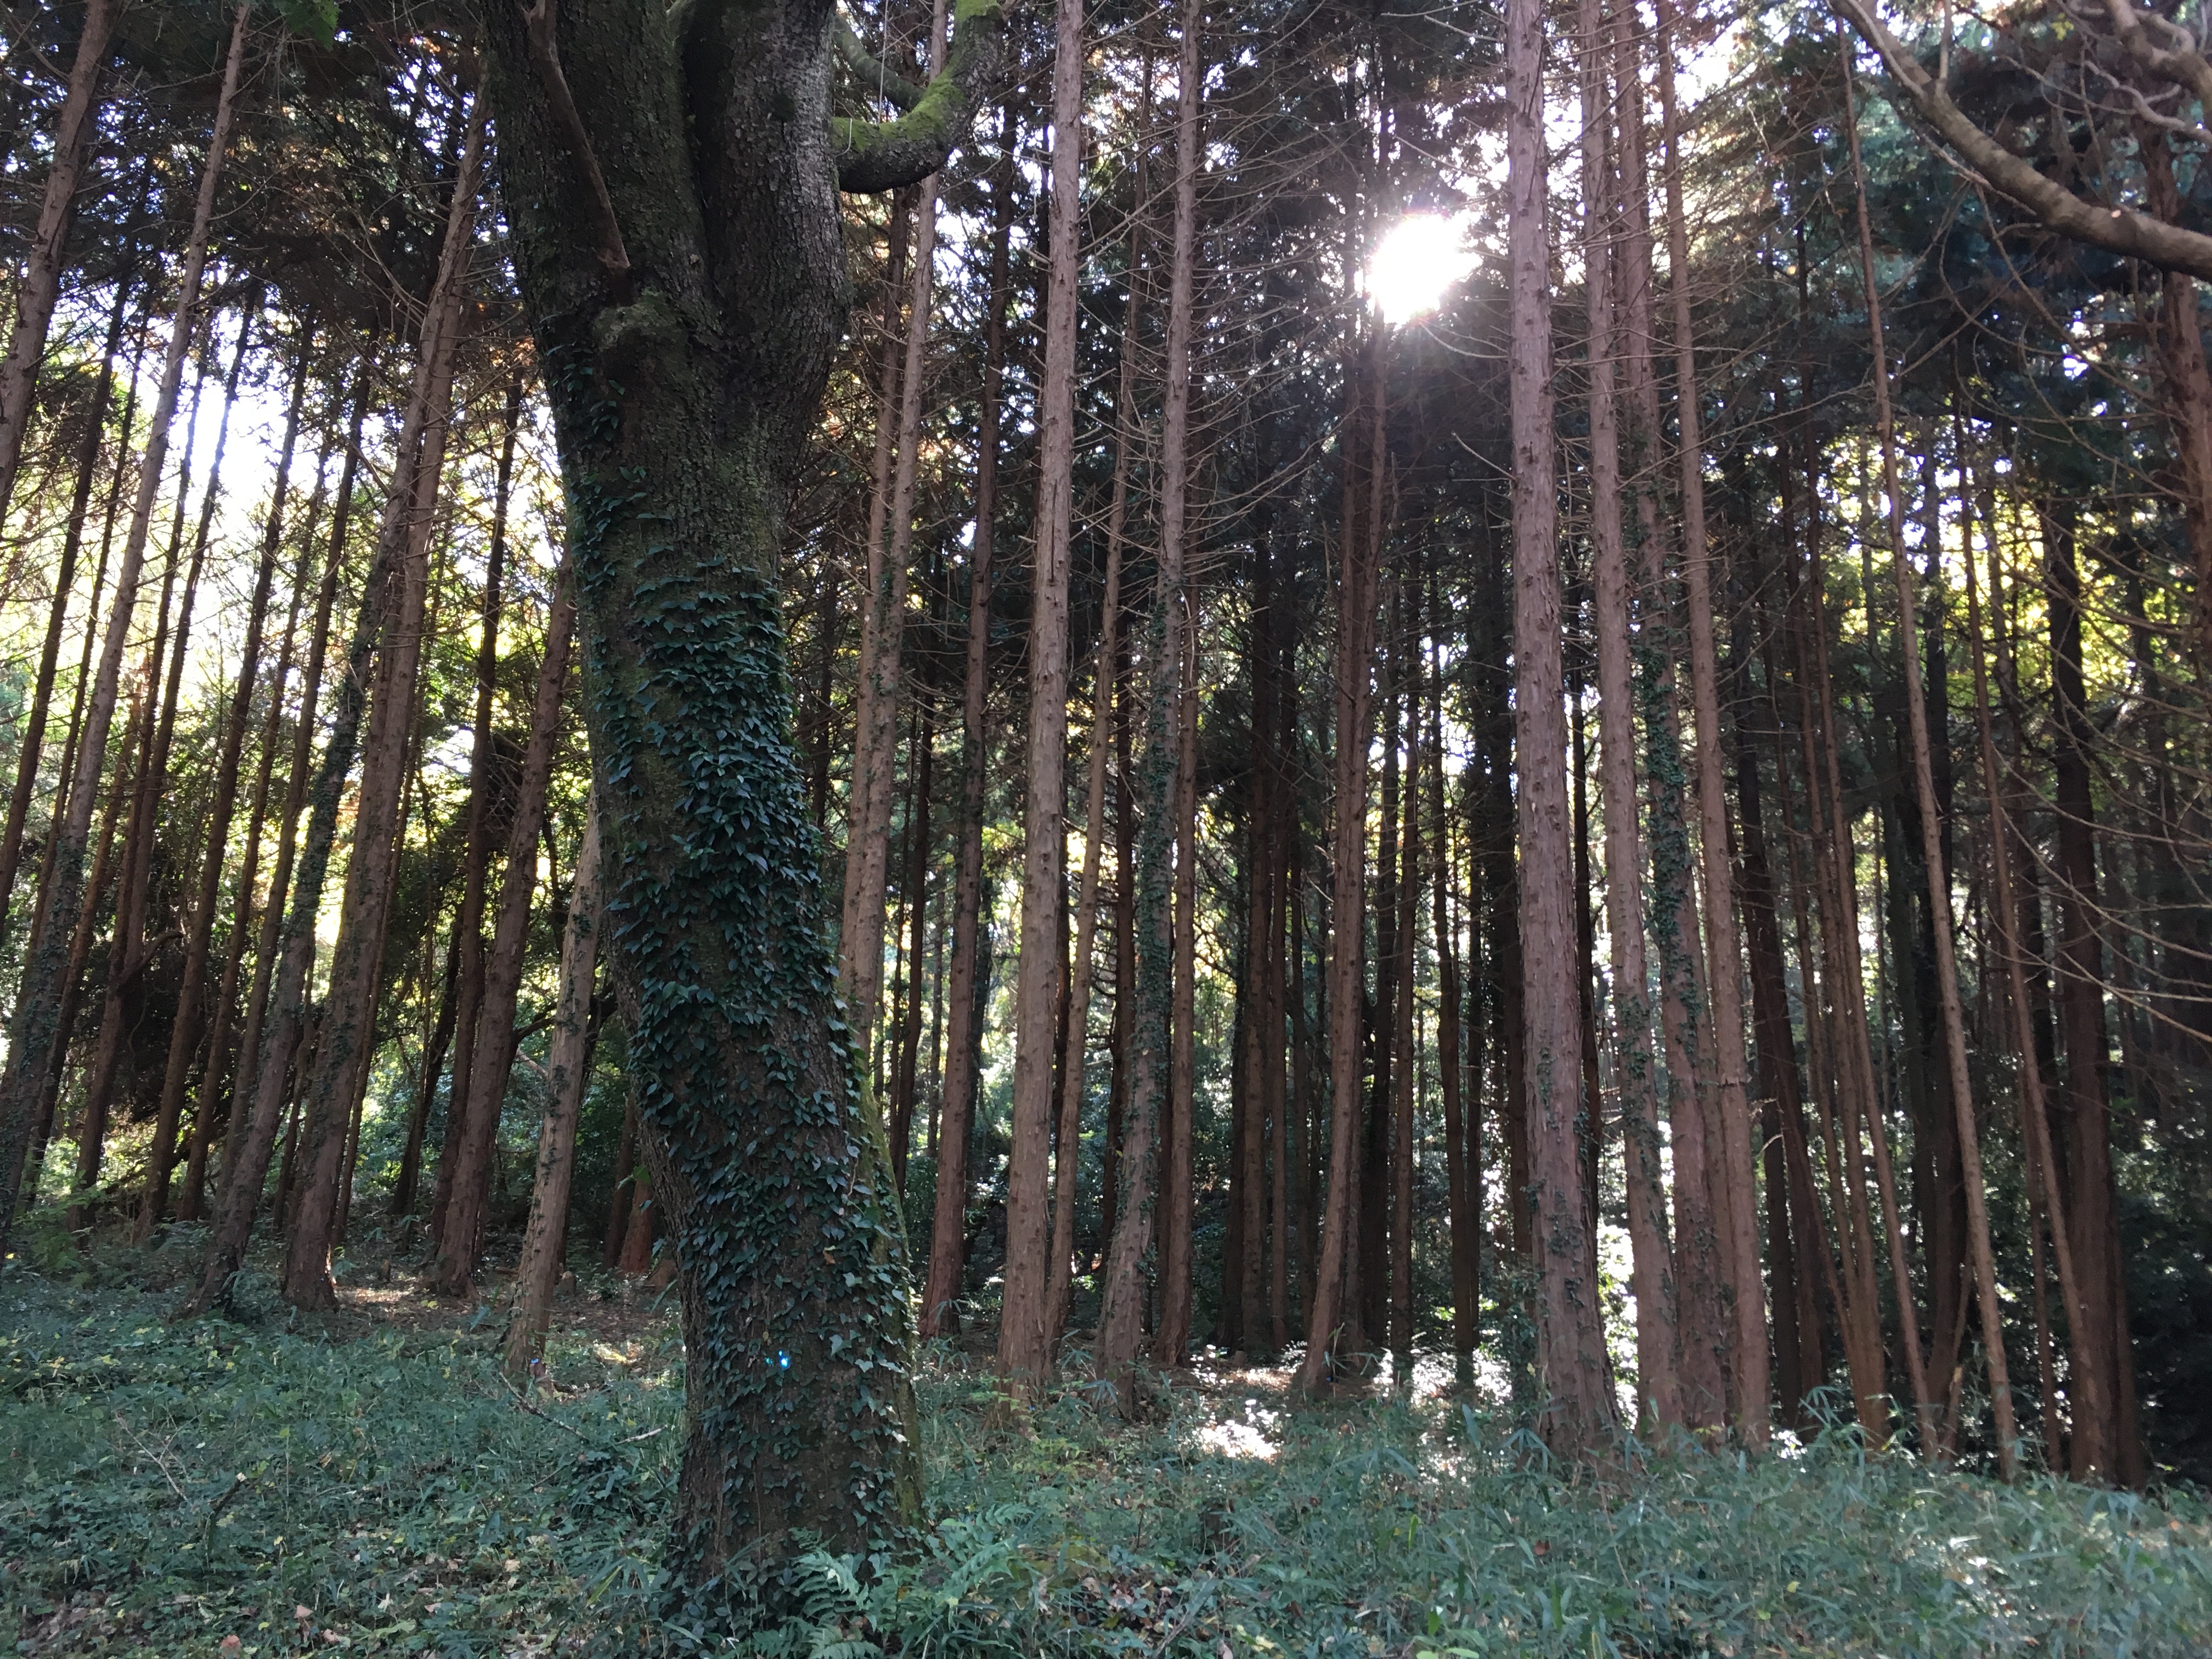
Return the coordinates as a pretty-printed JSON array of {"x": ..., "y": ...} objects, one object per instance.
[
  {"x": 41, "y": 285},
  {"x": 1175, "y": 1195},
  {"x": 465, "y": 1211},
  {"x": 1463, "y": 1213},
  {"x": 567, "y": 1075},
  {"x": 42, "y": 691},
  {"x": 184, "y": 1032},
  {"x": 948, "y": 1221},
  {"x": 34, "y": 1026},
  {"x": 1570, "y": 1343},
  {"x": 476, "y": 861},
  {"x": 1024, "y": 1360},
  {"x": 1636, "y": 1067},
  {"x": 1737, "y": 1198},
  {"x": 1404, "y": 1025},
  {"x": 1152, "y": 1066}
]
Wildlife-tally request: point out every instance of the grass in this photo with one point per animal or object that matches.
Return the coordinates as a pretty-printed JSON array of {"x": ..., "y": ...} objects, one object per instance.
[{"x": 372, "y": 1487}]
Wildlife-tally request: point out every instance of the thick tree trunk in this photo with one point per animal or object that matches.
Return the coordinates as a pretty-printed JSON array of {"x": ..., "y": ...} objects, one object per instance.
[
  {"x": 1570, "y": 1344},
  {"x": 34, "y": 1024},
  {"x": 41, "y": 285},
  {"x": 465, "y": 1212},
  {"x": 475, "y": 861},
  {"x": 948, "y": 1234},
  {"x": 567, "y": 1075},
  {"x": 1024, "y": 1355}
]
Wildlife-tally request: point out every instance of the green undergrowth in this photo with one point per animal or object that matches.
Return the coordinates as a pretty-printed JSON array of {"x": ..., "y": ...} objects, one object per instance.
[{"x": 170, "y": 1486}]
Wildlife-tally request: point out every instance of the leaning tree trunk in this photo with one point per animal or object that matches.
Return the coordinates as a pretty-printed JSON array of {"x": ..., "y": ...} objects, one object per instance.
[
  {"x": 687, "y": 345},
  {"x": 35, "y": 1023},
  {"x": 566, "y": 1076}
]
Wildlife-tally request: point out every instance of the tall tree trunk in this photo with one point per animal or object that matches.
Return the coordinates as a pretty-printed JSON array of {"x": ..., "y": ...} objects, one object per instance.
[
  {"x": 1636, "y": 1067},
  {"x": 948, "y": 1221},
  {"x": 1120, "y": 1323},
  {"x": 184, "y": 1032},
  {"x": 1024, "y": 1354},
  {"x": 875, "y": 753},
  {"x": 40, "y": 284},
  {"x": 1570, "y": 1343},
  {"x": 1463, "y": 1213},
  {"x": 1750, "y": 1374},
  {"x": 1405, "y": 1027},
  {"x": 567, "y": 1075},
  {"x": 1365, "y": 460},
  {"x": 475, "y": 860},
  {"x": 346, "y": 1039},
  {"x": 282, "y": 1037},
  {"x": 34, "y": 1024},
  {"x": 1175, "y": 1137}
]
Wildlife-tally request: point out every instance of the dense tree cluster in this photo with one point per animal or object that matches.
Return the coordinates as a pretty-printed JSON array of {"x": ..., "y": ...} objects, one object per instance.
[{"x": 919, "y": 666}]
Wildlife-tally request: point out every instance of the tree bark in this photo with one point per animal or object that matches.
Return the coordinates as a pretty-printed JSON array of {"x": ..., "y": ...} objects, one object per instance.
[
  {"x": 34, "y": 1024},
  {"x": 1571, "y": 1348}
]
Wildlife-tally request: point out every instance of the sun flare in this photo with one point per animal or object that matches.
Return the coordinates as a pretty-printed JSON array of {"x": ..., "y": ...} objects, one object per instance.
[{"x": 1423, "y": 255}]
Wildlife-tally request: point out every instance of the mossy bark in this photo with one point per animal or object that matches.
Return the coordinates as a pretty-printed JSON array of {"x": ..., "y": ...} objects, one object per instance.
[{"x": 684, "y": 390}]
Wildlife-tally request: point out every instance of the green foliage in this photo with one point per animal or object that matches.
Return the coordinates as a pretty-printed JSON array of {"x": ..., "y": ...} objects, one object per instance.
[
  {"x": 397, "y": 1497},
  {"x": 310, "y": 20}
]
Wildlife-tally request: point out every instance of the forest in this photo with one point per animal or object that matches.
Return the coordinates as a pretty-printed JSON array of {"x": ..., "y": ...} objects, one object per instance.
[{"x": 1155, "y": 828}]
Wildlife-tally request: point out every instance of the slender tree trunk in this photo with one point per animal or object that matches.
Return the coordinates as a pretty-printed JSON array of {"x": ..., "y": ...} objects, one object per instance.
[
  {"x": 868, "y": 848},
  {"x": 1061, "y": 1287},
  {"x": 948, "y": 1221},
  {"x": 34, "y": 722},
  {"x": 1570, "y": 1344},
  {"x": 1176, "y": 1175},
  {"x": 566, "y": 1076},
  {"x": 1461, "y": 1213},
  {"x": 1636, "y": 1069},
  {"x": 40, "y": 284},
  {"x": 1151, "y": 1072},
  {"x": 346, "y": 1041},
  {"x": 1738, "y": 1196},
  {"x": 1024, "y": 1355},
  {"x": 184, "y": 1033},
  {"x": 466, "y": 1213},
  {"x": 34, "y": 1024},
  {"x": 1405, "y": 1026},
  {"x": 292, "y": 960},
  {"x": 475, "y": 861},
  {"x": 908, "y": 1079}
]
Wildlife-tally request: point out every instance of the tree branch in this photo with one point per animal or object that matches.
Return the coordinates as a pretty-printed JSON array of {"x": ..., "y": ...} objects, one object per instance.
[
  {"x": 879, "y": 156},
  {"x": 2116, "y": 230},
  {"x": 568, "y": 121},
  {"x": 877, "y": 75}
]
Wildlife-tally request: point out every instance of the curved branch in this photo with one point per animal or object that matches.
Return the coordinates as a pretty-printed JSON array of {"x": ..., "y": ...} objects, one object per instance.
[
  {"x": 2116, "y": 230},
  {"x": 877, "y": 75},
  {"x": 545, "y": 57},
  {"x": 878, "y": 156}
]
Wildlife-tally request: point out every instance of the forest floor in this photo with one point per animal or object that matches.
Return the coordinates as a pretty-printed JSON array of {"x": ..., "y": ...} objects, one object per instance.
[{"x": 263, "y": 1483}]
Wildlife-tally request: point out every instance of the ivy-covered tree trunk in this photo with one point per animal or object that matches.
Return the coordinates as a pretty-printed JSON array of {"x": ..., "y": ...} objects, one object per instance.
[{"x": 686, "y": 303}]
